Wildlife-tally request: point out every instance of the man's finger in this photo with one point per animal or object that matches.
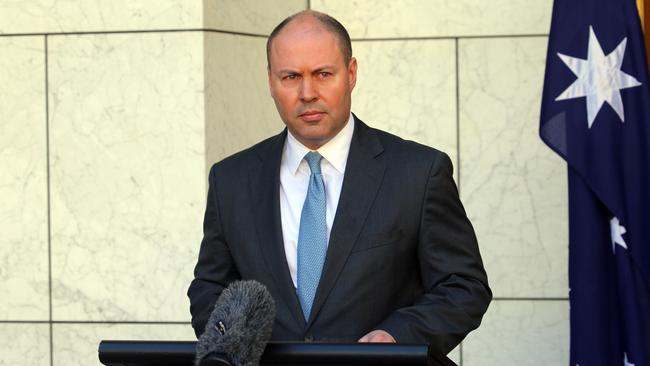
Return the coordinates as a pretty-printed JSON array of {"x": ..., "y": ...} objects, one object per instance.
[
  {"x": 364, "y": 339},
  {"x": 377, "y": 336}
]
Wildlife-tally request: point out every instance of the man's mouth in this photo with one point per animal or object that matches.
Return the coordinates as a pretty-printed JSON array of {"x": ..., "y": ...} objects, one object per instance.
[{"x": 312, "y": 116}]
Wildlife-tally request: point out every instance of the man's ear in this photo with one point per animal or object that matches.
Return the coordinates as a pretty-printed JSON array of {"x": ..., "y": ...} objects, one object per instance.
[{"x": 352, "y": 72}]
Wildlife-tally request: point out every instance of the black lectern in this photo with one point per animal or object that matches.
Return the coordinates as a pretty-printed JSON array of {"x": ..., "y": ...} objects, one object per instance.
[{"x": 168, "y": 353}]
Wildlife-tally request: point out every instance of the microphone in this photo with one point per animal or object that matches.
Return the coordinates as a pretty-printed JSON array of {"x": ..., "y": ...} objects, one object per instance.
[{"x": 238, "y": 328}]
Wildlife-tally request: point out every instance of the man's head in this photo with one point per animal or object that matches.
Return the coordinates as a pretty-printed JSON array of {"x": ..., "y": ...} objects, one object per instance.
[{"x": 311, "y": 76}]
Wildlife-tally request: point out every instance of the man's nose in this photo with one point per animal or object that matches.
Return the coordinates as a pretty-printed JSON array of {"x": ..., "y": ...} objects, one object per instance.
[{"x": 308, "y": 90}]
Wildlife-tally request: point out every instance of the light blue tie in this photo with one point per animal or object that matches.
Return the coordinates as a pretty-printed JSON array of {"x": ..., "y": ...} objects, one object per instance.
[{"x": 312, "y": 236}]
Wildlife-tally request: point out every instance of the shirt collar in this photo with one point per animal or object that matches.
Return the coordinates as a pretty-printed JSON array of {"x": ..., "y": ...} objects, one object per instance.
[{"x": 335, "y": 151}]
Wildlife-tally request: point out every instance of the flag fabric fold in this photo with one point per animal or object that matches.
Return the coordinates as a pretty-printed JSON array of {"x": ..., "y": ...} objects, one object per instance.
[{"x": 596, "y": 115}]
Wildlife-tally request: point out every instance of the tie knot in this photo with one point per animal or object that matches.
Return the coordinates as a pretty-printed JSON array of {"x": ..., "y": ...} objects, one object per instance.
[{"x": 313, "y": 159}]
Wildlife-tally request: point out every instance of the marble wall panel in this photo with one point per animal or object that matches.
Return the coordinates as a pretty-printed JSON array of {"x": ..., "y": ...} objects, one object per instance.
[
  {"x": 408, "y": 88},
  {"x": 513, "y": 186},
  {"x": 438, "y": 18},
  {"x": 238, "y": 106},
  {"x": 25, "y": 344},
  {"x": 48, "y": 16},
  {"x": 23, "y": 180},
  {"x": 77, "y": 344},
  {"x": 249, "y": 16},
  {"x": 127, "y": 174},
  {"x": 520, "y": 333}
]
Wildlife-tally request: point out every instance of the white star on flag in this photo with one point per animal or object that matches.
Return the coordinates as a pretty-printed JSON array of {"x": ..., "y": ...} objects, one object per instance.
[
  {"x": 600, "y": 78},
  {"x": 617, "y": 232}
]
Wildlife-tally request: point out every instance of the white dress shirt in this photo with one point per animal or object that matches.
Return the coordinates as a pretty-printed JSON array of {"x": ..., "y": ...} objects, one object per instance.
[{"x": 294, "y": 181}]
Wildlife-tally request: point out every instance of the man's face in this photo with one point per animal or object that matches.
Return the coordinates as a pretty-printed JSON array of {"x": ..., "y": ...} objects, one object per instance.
[{"x": 310, "y": 82}]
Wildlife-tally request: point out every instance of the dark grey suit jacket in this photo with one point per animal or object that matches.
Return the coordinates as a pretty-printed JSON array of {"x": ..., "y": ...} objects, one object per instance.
[{"x": 402, "y": 255}]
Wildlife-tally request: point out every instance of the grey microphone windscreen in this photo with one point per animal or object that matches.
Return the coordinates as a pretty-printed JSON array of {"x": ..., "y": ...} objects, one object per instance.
[{"x": 240, "y": 325}]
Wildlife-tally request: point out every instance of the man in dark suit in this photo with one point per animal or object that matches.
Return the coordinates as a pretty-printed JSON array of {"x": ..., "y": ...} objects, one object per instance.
[{"x": 357, "y": 234}]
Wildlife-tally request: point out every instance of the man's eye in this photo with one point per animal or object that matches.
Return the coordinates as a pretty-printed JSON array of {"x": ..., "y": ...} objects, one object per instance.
[
  {"x": 291, "y": 77},
  {"x": 324, "y": 74}
]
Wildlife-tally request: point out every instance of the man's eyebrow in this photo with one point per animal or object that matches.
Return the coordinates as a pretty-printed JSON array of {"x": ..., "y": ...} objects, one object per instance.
[
  {"x": 324, "y": 67},
  {"x": 315, "y": 71},
  {"x": 287, "y": 71}
]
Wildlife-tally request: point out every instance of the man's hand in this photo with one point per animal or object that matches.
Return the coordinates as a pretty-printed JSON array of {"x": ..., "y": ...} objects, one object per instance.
[{"x": 377, "y": 336}]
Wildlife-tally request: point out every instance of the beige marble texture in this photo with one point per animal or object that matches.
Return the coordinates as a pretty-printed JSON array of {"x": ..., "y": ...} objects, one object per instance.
[
  {"x": 438, "y": 18},
  {"x": 520, "y": 333},
  {"x": 23, "y": 180},
  {"x": 239, "y": 110},
  {"x": 24, "y": 344},
  {"x": 77, "y": 344},
  {"x": 52, "y": 16},
  {"x": 249, "y": 16},
  {"x": 513, "y": 186},
  {"x": 408, "y": 88},
  {"x": 127, "y": 174}
]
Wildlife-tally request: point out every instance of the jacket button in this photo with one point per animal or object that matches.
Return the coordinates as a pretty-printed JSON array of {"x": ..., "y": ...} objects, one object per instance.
[{"x": 309, "y": 338}]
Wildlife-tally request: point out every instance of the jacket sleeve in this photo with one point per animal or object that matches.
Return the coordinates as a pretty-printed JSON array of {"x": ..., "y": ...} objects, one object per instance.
[
  {"x": 215, "y": 268},
  {"x": 456, "y": 292}
]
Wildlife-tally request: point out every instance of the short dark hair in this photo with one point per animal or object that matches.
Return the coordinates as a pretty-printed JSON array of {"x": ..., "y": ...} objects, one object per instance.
[{"x": 330, "y": 24}]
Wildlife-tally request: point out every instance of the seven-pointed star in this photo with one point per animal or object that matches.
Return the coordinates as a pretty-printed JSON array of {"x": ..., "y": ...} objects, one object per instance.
[
  {"x": 600, "y": 78},
  {"x": 617, "y": 232}
]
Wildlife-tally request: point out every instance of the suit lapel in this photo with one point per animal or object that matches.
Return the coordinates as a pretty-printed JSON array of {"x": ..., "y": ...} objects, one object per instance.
[
  {"x": 363, "y": 176},
  {"x": 265, "y": 191}
]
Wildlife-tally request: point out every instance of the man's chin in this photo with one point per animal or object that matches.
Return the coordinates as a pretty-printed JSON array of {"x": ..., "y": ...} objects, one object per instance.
[{"x": 313, "y": 141}]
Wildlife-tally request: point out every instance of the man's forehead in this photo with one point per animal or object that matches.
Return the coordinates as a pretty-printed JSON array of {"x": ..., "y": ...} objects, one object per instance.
[
  {"x": 304, "y": 27},
  {"x": 305, "y": 42}
]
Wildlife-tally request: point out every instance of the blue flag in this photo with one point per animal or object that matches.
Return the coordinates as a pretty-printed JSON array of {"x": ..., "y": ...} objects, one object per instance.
[{"x": 596, "y": 115}]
